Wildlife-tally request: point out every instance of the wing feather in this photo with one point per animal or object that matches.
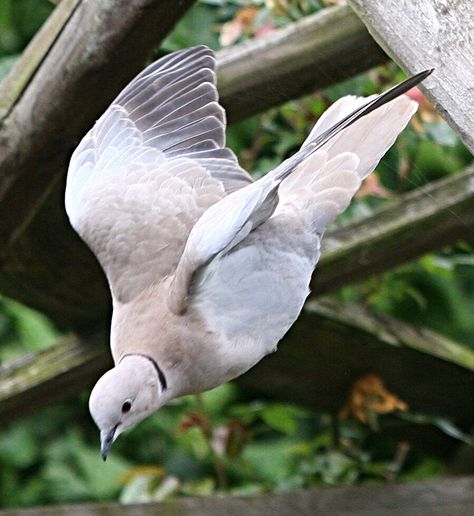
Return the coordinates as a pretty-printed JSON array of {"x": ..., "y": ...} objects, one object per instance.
[{"x": 148, "y": 169}]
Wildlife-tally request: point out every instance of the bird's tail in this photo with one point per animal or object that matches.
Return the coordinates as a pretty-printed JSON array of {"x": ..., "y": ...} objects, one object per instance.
[{"x": 322, "y": 184}]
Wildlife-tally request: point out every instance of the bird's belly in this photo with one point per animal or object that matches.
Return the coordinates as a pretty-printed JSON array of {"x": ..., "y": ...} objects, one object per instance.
[{"x": 253, "y": 295}]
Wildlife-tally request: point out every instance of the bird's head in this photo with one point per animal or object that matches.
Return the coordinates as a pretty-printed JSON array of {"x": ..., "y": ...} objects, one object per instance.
[{"x": 126, "y": 395}]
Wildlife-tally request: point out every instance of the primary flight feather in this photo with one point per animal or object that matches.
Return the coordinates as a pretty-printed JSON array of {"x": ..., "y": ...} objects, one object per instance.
[{"x": 207, "y": 268}]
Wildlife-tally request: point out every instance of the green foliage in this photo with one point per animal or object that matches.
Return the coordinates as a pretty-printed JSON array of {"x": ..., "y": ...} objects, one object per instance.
[
  {"x": 19, "y": 20},
  {"x": 436, "y": 291},
  {"x": 23, "y": 329},
  {"x": 198, "y": 446}
]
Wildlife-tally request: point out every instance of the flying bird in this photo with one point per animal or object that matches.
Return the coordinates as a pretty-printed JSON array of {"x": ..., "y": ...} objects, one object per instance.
[{"x": 207, "y": 268}]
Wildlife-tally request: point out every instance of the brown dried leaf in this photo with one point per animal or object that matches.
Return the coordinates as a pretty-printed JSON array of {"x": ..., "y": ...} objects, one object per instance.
[{"x": 369, "y": 395}]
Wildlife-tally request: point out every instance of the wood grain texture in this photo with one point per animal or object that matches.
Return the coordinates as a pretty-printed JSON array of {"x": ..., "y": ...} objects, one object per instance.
[
  {"x": 25, "y": 68},
  {"x": 441, "y": 497},
  {"x": 83, "y": 55},
  {"x": 40, "y": 379},
  {"x": 431, "y": 34},
  {"x": 330, "y": 346}
]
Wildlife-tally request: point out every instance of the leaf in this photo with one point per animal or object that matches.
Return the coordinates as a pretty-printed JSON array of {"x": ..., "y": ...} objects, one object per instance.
[
  {"x": 137, "y": 490},
  {"x": 271, "y": 461},
  {"x": 250, "y": 489},
  {"x": 201, "y": 487},
  {"x": 233, "y": 29},
  {"x": 427, "y": 468},
  {"x": 282, "y": 418},
  {"x": 19, "y": 446},
  {"x": 65, "y": 484},
  {"x": 445, "y": 425},
  {"x": 33, "y": 327},
  {"x": 332, "y": 467},
  {"x": 369, "y": 397},
  {"x": 216, "y": 400},
  {"x": 102, "y": 478}
]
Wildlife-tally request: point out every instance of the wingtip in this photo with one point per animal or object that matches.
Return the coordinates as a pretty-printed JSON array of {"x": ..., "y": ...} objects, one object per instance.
[
  {"x": 419, "y": 77},
  {"x": 425, "y": 73}
]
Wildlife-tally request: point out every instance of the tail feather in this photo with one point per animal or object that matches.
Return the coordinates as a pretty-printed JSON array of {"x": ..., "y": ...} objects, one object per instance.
[
  {"x": 321, "y": 188},
  {"x": 371, "y": 136},
  {"x": 331, "y": 176}
]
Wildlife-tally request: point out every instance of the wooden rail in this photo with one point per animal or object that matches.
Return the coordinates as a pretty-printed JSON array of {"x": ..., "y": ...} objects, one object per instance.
[{"x": 444, "y": 497}]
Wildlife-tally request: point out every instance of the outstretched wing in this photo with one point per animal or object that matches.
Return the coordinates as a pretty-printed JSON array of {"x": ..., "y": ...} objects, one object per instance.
[
  {"x": 149, "y": 168},
  {"x": 316, "y": 186}
]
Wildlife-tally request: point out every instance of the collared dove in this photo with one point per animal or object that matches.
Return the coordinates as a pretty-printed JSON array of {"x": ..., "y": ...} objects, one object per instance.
[{"x": 207, "y": 269}]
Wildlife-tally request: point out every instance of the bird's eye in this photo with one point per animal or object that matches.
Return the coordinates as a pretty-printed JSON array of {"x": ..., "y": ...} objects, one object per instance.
[{"x": 126, "y": 407}]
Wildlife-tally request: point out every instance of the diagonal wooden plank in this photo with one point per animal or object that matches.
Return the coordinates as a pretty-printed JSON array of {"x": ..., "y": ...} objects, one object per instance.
[
  {"x": 39, "y": 379},
  {"x": 75, "y": 65},
  {"x": 26, "y": 67},
  {"x": 330, "y": 346},
  {"x": 426, "y": 34}
]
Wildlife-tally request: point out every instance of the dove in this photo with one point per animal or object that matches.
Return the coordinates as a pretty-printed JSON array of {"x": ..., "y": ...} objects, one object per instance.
[{"x": 207, "y": 268}]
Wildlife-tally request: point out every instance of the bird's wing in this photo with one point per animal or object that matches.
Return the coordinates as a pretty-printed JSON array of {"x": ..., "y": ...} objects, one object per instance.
[
  {"x": 232, "y": 219},
  {"x": 223, "y": 226},
  {"x": 148, "y": 169}
]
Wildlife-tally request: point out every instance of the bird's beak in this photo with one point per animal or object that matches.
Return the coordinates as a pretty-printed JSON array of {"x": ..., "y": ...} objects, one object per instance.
[{"x": 106, "y": 440}]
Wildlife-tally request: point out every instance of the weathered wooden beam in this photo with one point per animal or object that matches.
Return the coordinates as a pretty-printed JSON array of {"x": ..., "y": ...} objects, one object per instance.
[
  {"x": 438, "y": 214},
  {"x": 320, "y": 50},
  {"x": 443, "y": 497},
  {"x": 25, "y": 68},
  {"x": 39, "y": 379},
  {"x": 426, "y": 34},
  {"x": 330, "y": 346},
  {"x": 82, "y": 56}
]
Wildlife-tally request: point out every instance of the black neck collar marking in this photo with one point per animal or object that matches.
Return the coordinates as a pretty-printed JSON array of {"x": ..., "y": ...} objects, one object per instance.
[{"x": 159, "y": 371}]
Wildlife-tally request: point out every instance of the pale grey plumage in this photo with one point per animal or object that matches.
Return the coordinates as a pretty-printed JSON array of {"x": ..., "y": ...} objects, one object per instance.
[{"x": 207, "y": 269}]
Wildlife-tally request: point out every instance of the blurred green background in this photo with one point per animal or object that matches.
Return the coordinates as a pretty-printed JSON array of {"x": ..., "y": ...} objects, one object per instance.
[{"x": 226, "y": 441}]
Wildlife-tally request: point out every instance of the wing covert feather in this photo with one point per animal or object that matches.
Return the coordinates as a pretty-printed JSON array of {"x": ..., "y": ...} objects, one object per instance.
[{"x": 148, "y": 169}]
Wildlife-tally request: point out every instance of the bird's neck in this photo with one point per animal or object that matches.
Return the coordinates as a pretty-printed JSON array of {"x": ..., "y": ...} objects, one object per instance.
[{"x": 180, "y": 345}]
